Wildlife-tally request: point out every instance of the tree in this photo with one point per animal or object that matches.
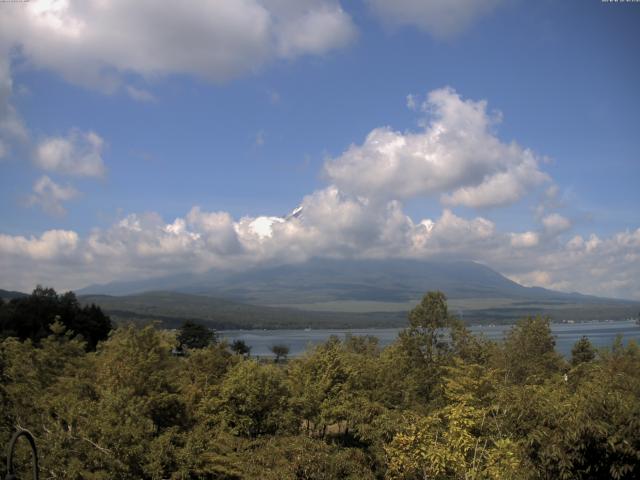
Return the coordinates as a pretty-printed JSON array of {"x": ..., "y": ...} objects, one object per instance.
[
  {"x": 240, "y": 347},
  {"x": 138, "y": 406},
  {"x": 331, "y": 386},
  {"x": 427, "y": 322},
  {"x": 303, "y": 458},
  {"x": 431, "y": 313},
  {"x": 31, "y": 317},
  {"x": 582, "y": 352},
  {"x": 254, "y": 400},
  {"x": 201, "y": 373},
  {"x": 280, "y": 351},
  {"x": 450, "y": 444},
  {"x": 529, "y": 351},
  {"x": 194, "y": 335},
  {"x": 413, "y": 366}
]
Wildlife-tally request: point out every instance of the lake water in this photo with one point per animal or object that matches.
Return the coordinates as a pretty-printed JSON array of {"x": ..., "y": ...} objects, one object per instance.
[{"x": 601, "y": 334}]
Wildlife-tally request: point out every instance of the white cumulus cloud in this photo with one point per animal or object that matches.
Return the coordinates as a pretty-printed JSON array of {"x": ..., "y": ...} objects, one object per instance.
[
  {"x": 94, "y": 42},
  {"x": 441, "y": 18},
  {"x": 50, "y": 196},
  {"x": 525, "y": 240},
  {"x": 599, "y": 266},
  {"x": 457, "y": 155},
  {"x": 331, "y": 224},
  {"x": 51, "y": 244},
  {"x": 555, "y": 223},
  {"x": 78, "y": 154}
]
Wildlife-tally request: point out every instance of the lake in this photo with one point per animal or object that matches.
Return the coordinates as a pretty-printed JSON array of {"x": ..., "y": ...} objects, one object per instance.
[{"x": 601, "y": 334}]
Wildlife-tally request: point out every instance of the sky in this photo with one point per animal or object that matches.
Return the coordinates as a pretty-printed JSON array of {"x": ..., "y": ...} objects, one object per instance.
[{"x": 141, "y": 139}]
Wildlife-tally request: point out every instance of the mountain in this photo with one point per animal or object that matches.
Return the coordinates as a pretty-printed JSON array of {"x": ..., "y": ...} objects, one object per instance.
[
  {"x": 348, "y": 292},
  {"x": 327, "y": 280},
  {"x": 9, "y": 294},
  {"x": 171, "y": 309}
]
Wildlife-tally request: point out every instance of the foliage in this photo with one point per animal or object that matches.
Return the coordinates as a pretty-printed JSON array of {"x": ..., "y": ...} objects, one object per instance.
[
  {"x": 303, "y": 458},
  {"x": 422, "y": 351},
  {"x": 582, "y": 352},
  {"x": 193, "y": 335},
  {"x": 253, "y": 400},
  {"x": 460, "y": 440},
  {"x": 529, "y": 351},
  {"x": 31, "y": 316},
  {"x": 240, "y": 347},
  {"x": 439, "y": 403},
  {"x": 280, "y": 351}
]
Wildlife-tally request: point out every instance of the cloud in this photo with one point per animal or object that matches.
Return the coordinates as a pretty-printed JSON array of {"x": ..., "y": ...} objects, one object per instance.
[
  {"x": 330, "y": 224},
  {"x": 139, "y": 94},
  {"x": 217, "y": 229},
  {"x": 456, "y": 155},
  {"x": 359, "y": 214},
  {"x": 599, "y": 266},
  {"x": 500, "y": 188},
  {"x": 100, "y": 45},
  {"x": 95, "y": 43},
  {"x": 12, "y": 128},
  {"x": 78, "y": 154},
  {"x": 441, "y": 18},
  {"x": 412, "y": 102},
  {"x": 525, "y": 240},
  {"x": 555, "y": 223},
  {"x": 50, "y": 196},
  {"x": 52, "y": 244},
  {"x": 311, "y": 27}
]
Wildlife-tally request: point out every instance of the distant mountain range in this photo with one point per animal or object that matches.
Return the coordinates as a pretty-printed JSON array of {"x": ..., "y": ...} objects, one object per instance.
[
  {"x": 332, "y": 293},
  {"x": 8, "y": 294},
  {"x": 329, "y": 280},
  {"x": 171, "y": 309}
]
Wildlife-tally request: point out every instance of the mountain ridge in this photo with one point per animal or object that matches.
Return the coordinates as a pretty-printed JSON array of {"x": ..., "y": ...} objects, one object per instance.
[
  {"x": 10, "y": 294},
  {"x": 398, "y": 280},
  {"x": 171, "y": 309}
]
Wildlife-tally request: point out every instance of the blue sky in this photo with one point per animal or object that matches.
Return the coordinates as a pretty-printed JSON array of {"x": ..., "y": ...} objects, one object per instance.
[{"x": 110, "y": 122}]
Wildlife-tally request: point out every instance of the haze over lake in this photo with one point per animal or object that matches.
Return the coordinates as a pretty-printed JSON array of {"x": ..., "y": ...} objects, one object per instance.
[{"x": 601, "y": 334}]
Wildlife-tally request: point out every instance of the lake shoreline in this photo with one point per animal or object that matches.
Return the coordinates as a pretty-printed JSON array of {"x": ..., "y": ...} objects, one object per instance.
[{"x": 601, "y": 333}]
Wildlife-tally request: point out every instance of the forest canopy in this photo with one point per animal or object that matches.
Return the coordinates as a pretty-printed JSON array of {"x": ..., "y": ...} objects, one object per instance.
[
  {"x": 30, "y": 317},
  {"x": 438, "y": 403}
]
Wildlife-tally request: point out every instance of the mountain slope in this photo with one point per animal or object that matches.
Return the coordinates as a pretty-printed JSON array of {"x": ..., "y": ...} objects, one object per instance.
[
  {"x": 9, "y": 294},
  {"x": 327, "y": 280},
  {"x": 171, "y": 309}
]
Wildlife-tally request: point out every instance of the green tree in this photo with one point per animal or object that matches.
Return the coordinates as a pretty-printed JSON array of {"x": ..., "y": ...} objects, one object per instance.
[
  {"x": 303, "y": 458},
  {"x": 254, "y": 400},
  {"x": 428, "y": 406},
  {"x": 194, "y": 335},
  {"x": 332, "y": 386},
  {"x": 30, "y": 317},
  {"x": 460, "y": 440},
  {"x": 582, "y": 352},
  {"x": 412, "y": 367},
  {"x": 529, "y": 351},
  {"x": 139, "y": 403},
  {"x": 280, "y": 351},
  {"x": 50, "y": 389},
  {"x": 241, "y": 348},
  {"x": 200, "y": 374}
]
